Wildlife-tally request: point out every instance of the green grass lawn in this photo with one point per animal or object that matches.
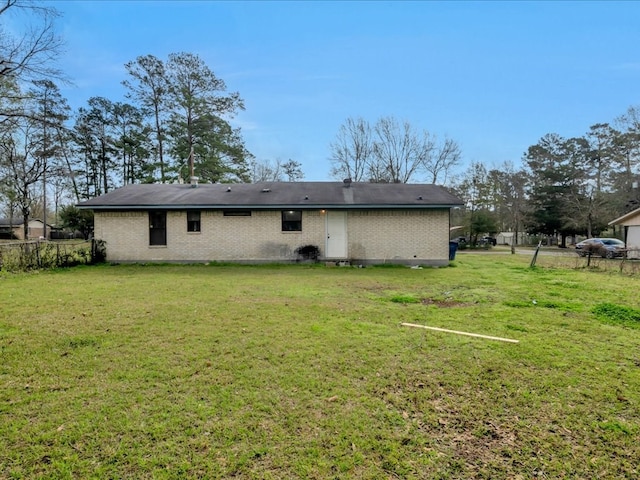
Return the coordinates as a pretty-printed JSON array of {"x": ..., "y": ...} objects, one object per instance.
[{"x": 305, "y": 372}]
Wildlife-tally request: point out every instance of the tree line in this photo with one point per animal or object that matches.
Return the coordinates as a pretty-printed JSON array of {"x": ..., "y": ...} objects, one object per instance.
[
  {"x": 175, "y": 122},
  {"x": 565, "y": 186},
  {"x": 176, "y": 125}
]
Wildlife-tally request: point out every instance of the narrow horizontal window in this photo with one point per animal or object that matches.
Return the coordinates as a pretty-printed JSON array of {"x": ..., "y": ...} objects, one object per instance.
[{"x": 237, "y": 213}]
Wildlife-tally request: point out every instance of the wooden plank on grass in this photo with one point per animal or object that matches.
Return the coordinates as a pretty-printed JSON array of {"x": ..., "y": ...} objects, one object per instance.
[{"x": 461, "y": 333}]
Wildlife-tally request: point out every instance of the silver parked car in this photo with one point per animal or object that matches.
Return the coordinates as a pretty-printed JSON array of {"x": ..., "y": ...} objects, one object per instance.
[{"x": 605, "y": 247}]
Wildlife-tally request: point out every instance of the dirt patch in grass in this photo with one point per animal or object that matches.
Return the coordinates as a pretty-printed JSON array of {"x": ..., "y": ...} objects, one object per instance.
[{"x": 446, "y": 303}]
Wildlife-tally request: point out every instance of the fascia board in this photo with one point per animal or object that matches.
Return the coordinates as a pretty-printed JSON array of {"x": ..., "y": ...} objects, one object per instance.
[{"x": 268, "y": 207}]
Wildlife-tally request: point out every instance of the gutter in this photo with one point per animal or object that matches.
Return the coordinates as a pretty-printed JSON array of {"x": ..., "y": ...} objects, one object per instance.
[{"x": 295, "y": 206}]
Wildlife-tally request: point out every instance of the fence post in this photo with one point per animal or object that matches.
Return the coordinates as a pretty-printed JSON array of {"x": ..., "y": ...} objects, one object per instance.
[
  {"x": 25, "y": 254},
  {"x": 535, "y": 255}
]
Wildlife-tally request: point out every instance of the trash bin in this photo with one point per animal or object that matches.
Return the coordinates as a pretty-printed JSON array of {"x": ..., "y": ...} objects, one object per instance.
[{"x": 453, "y": 248}]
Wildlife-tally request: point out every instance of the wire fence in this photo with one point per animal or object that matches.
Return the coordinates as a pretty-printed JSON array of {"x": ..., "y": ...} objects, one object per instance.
[
  {"x": 36, "y": 255},
  {"x": 33, "y": 255},
  {"x": 629, "y": 264}
]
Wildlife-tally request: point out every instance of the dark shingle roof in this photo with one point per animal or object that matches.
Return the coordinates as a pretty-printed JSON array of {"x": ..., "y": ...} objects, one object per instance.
[
  {"x": 267, "y": 195},
  {"x": 19, "y": 221},
  {"x": 16, "y": 221}
]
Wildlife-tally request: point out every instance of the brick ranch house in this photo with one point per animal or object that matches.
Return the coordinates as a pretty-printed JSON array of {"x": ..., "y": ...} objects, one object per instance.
[
  {"x": 14, "y": 229},
  {"x": 364, "y": 223}
]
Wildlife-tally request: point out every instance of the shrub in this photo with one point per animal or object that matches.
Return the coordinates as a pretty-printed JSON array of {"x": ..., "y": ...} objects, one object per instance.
[
  {"x": 24, "y": 256},
  {"x": 98, "y": 251},
  {"x": 307, "y": 252}
]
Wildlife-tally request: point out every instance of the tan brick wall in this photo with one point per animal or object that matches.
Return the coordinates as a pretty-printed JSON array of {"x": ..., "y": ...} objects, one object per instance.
[
  {"x": 126, "y": 235},
  {"x": 372, "y": 235},
  {"x": 386, "y": 235}
]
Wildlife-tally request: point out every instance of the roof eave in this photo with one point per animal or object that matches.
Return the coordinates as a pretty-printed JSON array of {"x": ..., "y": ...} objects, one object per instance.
[
  {"x": 625, "y": 217},
  {"x": 297, "y": 206}
]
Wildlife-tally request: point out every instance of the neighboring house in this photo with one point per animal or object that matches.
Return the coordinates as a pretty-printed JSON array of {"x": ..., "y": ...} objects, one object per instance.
[
  {"x": 631, "y": 224},
  {"x": 14, "y": 228},
  {"x": 273, "y": 222}
]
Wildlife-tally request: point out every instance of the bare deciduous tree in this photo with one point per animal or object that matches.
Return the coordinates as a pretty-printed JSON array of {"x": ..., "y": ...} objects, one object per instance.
[
  {"x": 293, "y": 170},
  {"x": 267, "y": 171},
  {"x": 398, "y": 150},
  {"x": 390, "y": 151},
  {"x": 20, "y": 168},
  {"x": 352, "y": 151},
  {"x": 32, "y": 52},
  {"x": 441, "y": 159}
]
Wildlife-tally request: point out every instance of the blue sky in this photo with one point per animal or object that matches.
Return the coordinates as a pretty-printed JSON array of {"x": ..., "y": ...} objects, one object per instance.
[{"x": 495, "y": 76}]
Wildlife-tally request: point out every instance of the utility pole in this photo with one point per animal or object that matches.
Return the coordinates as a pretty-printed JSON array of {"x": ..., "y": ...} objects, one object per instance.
[
  {"x": 44, "y": 200},
  {"x": 193, "y": 180},
  {"x": 44, "y": 166}
]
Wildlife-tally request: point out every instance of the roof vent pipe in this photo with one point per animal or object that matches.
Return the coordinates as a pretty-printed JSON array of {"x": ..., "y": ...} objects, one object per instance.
[
  {"x": 347, "y": 182},
  {"x": 194, "y": 181}
]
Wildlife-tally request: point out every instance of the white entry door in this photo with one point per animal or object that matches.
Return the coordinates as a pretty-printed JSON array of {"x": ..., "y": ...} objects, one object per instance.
[{"x": 336, "y": 234}]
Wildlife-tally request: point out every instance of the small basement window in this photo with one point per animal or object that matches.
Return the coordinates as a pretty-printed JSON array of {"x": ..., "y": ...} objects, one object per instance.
[
  {"x": 292, "y": 221},
  {"x": 193, "y": 221}
]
